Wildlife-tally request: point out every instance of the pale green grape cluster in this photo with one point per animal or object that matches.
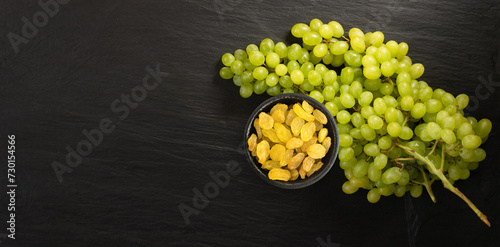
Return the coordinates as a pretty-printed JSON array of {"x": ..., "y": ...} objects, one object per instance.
[{"x": 396, "y": 133}]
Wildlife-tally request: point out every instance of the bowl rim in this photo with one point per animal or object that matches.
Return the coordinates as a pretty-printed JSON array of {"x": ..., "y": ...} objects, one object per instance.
[{"x": 299, "y": 183}]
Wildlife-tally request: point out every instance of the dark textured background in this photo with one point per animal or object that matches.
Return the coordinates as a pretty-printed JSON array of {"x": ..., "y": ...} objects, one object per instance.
[{"x": 128, "y": 190}]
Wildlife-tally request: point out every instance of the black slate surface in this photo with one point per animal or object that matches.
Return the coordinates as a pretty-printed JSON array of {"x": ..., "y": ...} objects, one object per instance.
[{"x": 70, "y": 76}]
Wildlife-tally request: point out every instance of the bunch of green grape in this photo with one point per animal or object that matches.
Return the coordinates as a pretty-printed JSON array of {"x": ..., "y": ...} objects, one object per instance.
[{"x": 397, "y": 135}]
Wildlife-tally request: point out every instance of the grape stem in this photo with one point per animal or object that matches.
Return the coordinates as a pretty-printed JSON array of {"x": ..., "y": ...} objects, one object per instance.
[
  {"x": 427, "y": 184},
  {"x": 446, "y": 182}
]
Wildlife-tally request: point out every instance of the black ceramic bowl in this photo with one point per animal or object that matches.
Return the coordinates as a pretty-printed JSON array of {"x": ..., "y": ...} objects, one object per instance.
[{"x": 328, "y": 160}]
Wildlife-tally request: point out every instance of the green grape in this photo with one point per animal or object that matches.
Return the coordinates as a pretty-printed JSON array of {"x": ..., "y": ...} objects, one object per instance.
[
  {"x": 346, "y": 75},
  {"x": 273, "y": 91},
  {"x": 347, "y": 100},
  {"x": 393, "y": 47},
  {"x": 372, "y": 72},
  {"x": 480, "y": 154},
  {"x": 394, "y": 129},
  {"x": 226, "y": 73},
  {"x": 353, "y": 32},
  {"x": 371, "y": 50},
  {"x": 438, "y": 93},
  {"x": 294, "y": 52},
  {"x": 371, "y": 149},
  {"x": 237, "y": 80},
  {"x": 326, "y": 31},
  {"x": 336, "y": 100},
  {"x": 357, "y": 120},
  {"x": 385, "y": 142},
  {"x": 259, "y": 87},
  {"x": 306, "y": 86},
  {"x": 374, "y": 173},
  {"x": 237, "y": 67},
  {"x": 338, "y": 60},
  {"x": 468, "y": 155},
  {"x": 383, "y": 54},
  {"x": 375, "y": 122},
  {"x": 365, "y": 98},
  {"x": 483, "y": 128},
  {"x": 329, "y": 93},
  {"x": 292, "y": 65},
  {"x": 425, "y": 93},
  {"x": 328, "y": 58},
  {"x": 317, "y": 95},
  {"x": 367, "y": 111},
  {"x": 356, "y": 134},
  {"x": 346, "y": 154},
  {"x": 281, "y": 49},
  {"x": 320, "y": 50},
  {"x": 332, "y": 108},
  {"x": 402, "y": 51},
  {"x": 391, "y": 115},
  {"x": 400, "y": 191},
  {"x": 266, "y": 46},
  {"x": 311, "y": 38},
  {"x": 348, "y": 188},
  {"x": 299, "y": 29},
  {"x": 260, "y": 73},
  {"x": 395, "y": 153},
  {"x": 227, "y": 59},
  {"x": 379, "y": 106},
  {"x": 315, "y": 24},
  {"x": 272, "y": 79},
  {"x": 257, "y": 58},
  {"x": 416, "y": 70},
  {"x": 387, "y": 190},
  {"x": 355, "y": 89},
  {"x": 405, "y": 178},
  {"x": 380, "y": 161},
  {"x": 304, "y": 57},
  {"x": 360, "y": 182},
  {"x": 373, "y": 196},
  {"x": 330, "y": 77},
  {"x": 406, "y": 133},
  {"x": 285, "y": 81},
  {"x": 360, "y": 169},
  {"x": 373, "y": 85},
  {"x": 433, "y": 105},
  {"x": 404, "y": 88},
  {"x": 306, "y": 67},
  {"x": 272, "y": 60},
  {"x": 386, "y": 69},
  {"x": 281, "y": 69},
  {"x": 418, "y": 110},
  {"x": 249, "y": 49},
  {"x": 288, "y": 90},
  {"x": 472, "y": 120},
  {"x": 345, "y": 140},
  {"x": 369, "y": 60},
  {"x": 297, "y": 77},
  {"x": 344, "y": 128},
  {"x": 471, "y": 141},
  {"x": 353, "y": 58},
  {"x": 339, "y": 48},
  {"x": 248, "y": 65},
  {"x": 464, "y": 129},
  {"x": 377, "y": 39},
  {"x": 348, "y": 164},
  {"x": 464, "y": 174},
  {"x": 448, "y": 123},
  {"x": 321, "y": 68},
  {"x": 343, "y": 117},
  {"x": 246, "y": 76},
  {"x": 416, "y": 191},
  {"x": 314, "y": 77},
  {"x": 440, "y": 116},
  {"x": 407, "y": 103},
  {"x": 448, "y": 99},
  {"x": 403, "y": 67},
  {"x": 454, "y": 172},
  {"x": 462, "y": 101},
  {"x": 246, "y": 90},
  {"x": 433, "y": 130},
  {"x": 338, "y": 30},
  {"x": 240, "y": 55},
  {"x": 358, "y": 44}
]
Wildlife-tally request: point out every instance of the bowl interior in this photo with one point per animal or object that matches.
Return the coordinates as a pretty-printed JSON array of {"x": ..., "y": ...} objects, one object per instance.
[{"x": 328, "y": 160}]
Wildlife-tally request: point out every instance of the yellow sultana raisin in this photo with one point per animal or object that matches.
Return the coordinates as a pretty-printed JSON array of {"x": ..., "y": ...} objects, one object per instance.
[
  {"x": 265, "y": 121},
  {"x": 279, "y": 174},
  {"x": 302, "y": 172},
  {"x": 307, "y": 131},
  {"x": 270, "y": 164},
  {"x": 290, "y": 116},
  {"x": 294, "y": 143},
  {"x": 278, "y": 116},
  {"x": 318, "y": 125},
  {"x": 282, "y": 132},
  {"x": 296, "y": 125},
  {"x": 307, "y": 107},
  {"x": 327, "y": 143},
  {"x": 295, "y": 161},
  {"x": 257, "y": 128},
  {"x": 252, "y": 142},
  {"x": 320, "y": 116},
  {"x": 277, "y": 152},
  {"x": 271, "y": 134},
  {"x": 288, "y": 155},
  {"x": 322, "y": 134},
  {"x": 316, "y": 151},
  {"x": 307, "y": 144},
  {"x": 315, "y": 168},
  {"x": 297, "y": 108},
  {"x": 263, "y": 151},
  {"x": 294, "y": 174},
  {"x": 308, "y": 163},
  {"x": 279, "y": 106}
]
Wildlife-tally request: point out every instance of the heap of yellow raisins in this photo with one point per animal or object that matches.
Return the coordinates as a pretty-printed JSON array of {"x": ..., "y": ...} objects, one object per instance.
[{"x": 290, "y": 141}]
